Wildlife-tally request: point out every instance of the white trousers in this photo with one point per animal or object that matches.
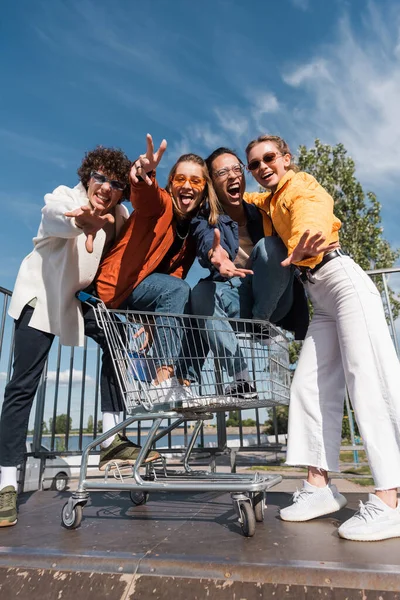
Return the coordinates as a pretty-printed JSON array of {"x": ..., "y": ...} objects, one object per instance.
[{"x": 348, "y": 343}]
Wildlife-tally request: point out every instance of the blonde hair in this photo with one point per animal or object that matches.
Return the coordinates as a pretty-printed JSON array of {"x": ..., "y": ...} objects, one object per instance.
[
  {"x": 208, "y": 192},
  {"x": 279, "y": 143}
]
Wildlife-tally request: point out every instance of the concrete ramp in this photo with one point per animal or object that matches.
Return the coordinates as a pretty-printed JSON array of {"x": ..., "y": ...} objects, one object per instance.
[{"x": 187, "y": 547}]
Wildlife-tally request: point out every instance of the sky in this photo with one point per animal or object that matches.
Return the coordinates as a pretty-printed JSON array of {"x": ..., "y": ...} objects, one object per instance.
[{"x": 77, "y": 73}]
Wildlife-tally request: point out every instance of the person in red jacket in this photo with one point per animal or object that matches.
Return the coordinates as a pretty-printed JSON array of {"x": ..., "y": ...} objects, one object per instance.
[{"x": 146, "y": 268}]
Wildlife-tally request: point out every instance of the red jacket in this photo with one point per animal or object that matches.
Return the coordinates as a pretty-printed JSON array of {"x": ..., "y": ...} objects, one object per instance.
[{"x": 142, "y": 244}]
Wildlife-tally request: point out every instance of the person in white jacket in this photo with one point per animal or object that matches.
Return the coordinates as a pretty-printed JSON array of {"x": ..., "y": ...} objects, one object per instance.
[{"x": 78, "y": 227}]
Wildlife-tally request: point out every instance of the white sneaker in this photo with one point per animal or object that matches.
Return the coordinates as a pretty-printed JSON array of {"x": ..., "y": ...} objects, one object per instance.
[
  {"x": 311, "y": 502},
  {"x": 374, "y": 521},
  {"x": 170, "y": 390}
]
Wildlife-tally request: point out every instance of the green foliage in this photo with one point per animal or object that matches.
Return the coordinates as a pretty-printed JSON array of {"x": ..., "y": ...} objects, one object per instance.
[
  {"x": 346, "y": 425},
  {"x": 100, "y": 426},
  {"x": 361, "y": 234},
  {"x": 90, "y": 424},
  {"x": 60, "y": 445},
  {"x": 282, "y": 415},
  {"x": 44, "y": 427},
  {"x": 249, "y": 423},
  {"x": 62, "y": 425},
  {"x": 233, "y": 419},
  {"x": 294, "y": 351}
]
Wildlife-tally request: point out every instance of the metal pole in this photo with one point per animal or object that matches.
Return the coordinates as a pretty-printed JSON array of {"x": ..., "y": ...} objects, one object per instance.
[
  {"x": 390, "y": 312},
  {"x": 351, "y": 424}
]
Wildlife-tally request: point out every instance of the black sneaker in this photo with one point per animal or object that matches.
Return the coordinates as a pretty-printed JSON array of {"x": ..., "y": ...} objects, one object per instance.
[{"x": 241, "y": 389}]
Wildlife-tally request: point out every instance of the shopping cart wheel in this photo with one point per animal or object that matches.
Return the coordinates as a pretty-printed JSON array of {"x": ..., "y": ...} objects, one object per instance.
[
  {"x": 71, "y": 519},
  {"x": 247, "y": 518},
  {"x": 258, "y": 505},
  {"x": 138, "y": 498}
]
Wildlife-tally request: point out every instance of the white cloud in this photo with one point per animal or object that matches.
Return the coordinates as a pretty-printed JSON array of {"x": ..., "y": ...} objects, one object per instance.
[
  {"x": 316, "y": 69},
  {"x": 352, "y": 96},
  {"x": 232, "y": 121},
  {"x": 3, "y": 376},
  {"x": 301, "y": 4},
  {"x": 234, "y": 126},
  {"x": 77, "y": 377},
  {"x": 265, "y": 103}
]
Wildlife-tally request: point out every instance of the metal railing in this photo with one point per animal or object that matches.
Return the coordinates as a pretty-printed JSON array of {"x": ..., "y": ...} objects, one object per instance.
[{"x": 66, "y": 416}]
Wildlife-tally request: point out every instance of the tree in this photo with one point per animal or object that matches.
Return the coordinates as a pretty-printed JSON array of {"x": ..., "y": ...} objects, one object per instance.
[
  {"x": 282, "y": 417},
  {"x": 90, "y": 424},
  {"x": 361, "y": 234},
  {"x": 233, "y": 419},
  {"x": 100, "y": 426},
  {"x": 44, "y": 427},
  {"x": 62, "y": 425}
]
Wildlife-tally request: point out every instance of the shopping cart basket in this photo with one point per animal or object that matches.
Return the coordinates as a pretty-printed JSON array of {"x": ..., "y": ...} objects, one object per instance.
[{"x": 208, "y": 353}]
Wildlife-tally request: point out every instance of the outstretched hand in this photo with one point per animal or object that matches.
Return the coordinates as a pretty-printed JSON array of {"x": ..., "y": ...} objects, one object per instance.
[
  {"x": 308, "y": 247},
  {"x": 147, "y": 162},
  {"x": 219, "y": 258},
  {"x": 90, "y": 221}
]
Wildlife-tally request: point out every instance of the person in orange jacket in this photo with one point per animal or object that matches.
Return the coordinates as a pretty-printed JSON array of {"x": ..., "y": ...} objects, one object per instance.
[
  {"x": 348, "y": 344},
  {"x": 146, "y": 268}
]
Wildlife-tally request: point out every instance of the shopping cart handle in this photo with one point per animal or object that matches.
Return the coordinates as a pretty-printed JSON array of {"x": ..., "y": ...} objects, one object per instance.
[{"x": 85, "y": 297}]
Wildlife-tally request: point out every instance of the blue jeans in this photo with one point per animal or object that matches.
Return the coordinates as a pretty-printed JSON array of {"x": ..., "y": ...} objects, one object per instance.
[
  {"x": 161, "y": 293},
  {"x": 265, "y": 295}
]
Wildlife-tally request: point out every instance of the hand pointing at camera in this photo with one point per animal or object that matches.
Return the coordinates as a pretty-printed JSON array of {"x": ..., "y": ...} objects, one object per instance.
[{"x": 90, "y": 221}]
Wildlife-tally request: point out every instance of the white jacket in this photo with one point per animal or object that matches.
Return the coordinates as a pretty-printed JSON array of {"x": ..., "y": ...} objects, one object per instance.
[{"x": 59, "y": 266}]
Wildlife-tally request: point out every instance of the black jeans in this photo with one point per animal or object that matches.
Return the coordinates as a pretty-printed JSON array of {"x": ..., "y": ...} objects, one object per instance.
[{"x": 31, "y": 348}]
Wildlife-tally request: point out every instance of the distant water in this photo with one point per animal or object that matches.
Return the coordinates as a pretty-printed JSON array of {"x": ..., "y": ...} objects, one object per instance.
[{"x": 210, "y": 440}]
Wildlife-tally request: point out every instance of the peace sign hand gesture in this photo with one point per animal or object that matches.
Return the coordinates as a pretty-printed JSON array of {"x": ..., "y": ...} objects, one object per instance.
[
  {"x": 147, "y": 162},
  {"x": 90, "y": 221},
  {"x": 308, "y": 247}
]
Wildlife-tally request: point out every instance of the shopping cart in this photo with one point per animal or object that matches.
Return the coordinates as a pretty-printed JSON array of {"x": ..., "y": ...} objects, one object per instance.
[{"x": 208, "y": 352}]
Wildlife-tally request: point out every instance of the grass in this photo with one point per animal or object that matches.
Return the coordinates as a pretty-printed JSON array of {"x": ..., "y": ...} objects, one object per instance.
[{"x": 346, "y": 456}]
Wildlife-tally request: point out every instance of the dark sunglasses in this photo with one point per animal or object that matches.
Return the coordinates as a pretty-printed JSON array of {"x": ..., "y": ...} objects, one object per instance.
[
  {"x": 268, "y": 159},
  {"x": 114, "y": 184}
]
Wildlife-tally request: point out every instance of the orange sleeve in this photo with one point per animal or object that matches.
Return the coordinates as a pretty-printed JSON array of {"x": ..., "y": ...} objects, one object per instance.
[
  {"x": 149, "y": 200},
  {"x": 310, "y": 207}
]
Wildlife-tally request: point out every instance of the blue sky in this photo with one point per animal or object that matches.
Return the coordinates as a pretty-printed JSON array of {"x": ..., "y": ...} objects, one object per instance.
[{"x": 77, "y": 73}]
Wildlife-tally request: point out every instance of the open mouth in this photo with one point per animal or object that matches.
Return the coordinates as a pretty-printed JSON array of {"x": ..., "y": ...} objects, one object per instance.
[
  {"x": 234, "y": 191},
  {"x": 186, "y": 199},
  {"x": 267, "y": 176},
  {"x": 102, "y": 199}
]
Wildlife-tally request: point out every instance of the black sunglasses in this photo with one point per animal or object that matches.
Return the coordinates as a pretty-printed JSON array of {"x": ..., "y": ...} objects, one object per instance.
[
  {"x": 114, "y": 184},
  {"x": 268, "y": 159}
]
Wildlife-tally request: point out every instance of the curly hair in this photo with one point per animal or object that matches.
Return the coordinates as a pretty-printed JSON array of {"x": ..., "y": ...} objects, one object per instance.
[{"x": 112, "y": 161}]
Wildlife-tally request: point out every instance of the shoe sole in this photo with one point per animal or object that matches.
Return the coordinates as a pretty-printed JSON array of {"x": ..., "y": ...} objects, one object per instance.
[
  {"x": 378, "y": 536},
  {"x": 249, "y": 396},
  {"x": 7, "y": 523},
  {"x": 338, "y": 503},
  {"x": 119, "y": 461}
]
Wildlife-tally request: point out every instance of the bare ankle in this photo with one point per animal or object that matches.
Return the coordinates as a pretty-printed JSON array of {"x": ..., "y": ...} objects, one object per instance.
[
  {"x": 389, "y": 497},
  {"x": 163, "y": 373},
  {"x": 317, "y": 477}
]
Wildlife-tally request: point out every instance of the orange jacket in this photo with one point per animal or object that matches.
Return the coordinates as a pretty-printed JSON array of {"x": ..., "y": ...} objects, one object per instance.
[
  {"x": 142, "y": 244},
  {"x": 299, "y": 203}
]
